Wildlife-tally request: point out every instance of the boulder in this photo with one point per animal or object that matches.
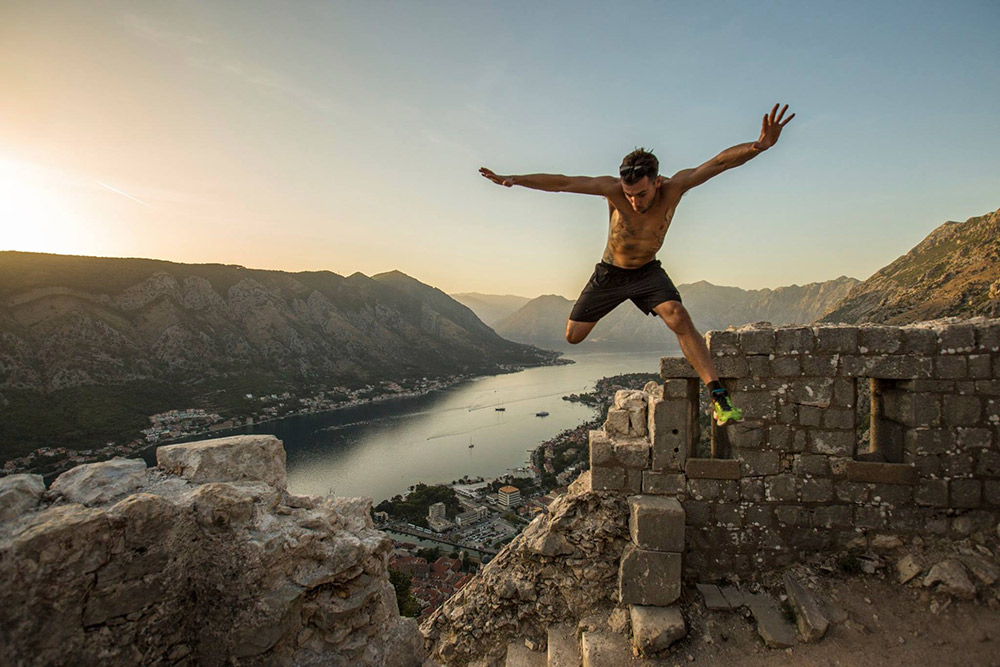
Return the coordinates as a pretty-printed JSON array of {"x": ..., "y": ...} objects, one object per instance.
[
  {"x": 19, "y": 494},
  {"x": 654, "y": 629},
  {"x": 233, "y": 459},
  {"x": 951, "y": 578},
  {"x": 99, "y": 483}
]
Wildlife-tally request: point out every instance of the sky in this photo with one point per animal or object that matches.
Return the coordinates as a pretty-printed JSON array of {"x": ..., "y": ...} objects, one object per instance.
[{"x": 347, "y": 136}]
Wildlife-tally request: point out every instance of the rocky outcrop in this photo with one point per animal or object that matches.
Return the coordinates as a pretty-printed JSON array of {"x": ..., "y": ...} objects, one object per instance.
[
  {"x": 218, "y": 564},
  {"x": 563, "y": 565},
  {"x": 954, "y": 272}
]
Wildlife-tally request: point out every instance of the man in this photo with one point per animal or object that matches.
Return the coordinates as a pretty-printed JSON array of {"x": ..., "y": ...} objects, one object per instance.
[{"x": 641, "y": 205}]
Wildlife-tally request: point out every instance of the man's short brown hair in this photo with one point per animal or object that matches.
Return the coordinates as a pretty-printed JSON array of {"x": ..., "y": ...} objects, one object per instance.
[{"x": 637, "y": 165}]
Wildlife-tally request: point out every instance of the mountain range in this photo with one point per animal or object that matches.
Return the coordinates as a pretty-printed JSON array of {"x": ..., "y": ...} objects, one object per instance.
[
  {"x": 99, "y": 336},
  {"x": 541, "y": 321}
]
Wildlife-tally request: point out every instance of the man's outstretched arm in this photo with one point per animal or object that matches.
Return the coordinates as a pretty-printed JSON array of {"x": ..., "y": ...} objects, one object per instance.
[
  {"x": 587, "y": 185},
  {"x": 770, "y": 130}
]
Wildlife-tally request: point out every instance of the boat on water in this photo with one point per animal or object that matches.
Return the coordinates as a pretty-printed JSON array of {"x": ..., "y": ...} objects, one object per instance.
[
  {"x": 471, "y": 445},
  {"x": 543, "y": 413},
  {"x": 500, "y": 409}
]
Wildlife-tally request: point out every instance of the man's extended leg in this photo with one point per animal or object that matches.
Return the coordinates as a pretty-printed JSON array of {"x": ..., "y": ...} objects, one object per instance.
[
  {"x": 577, "y": 331},
  {"x": 676, "y": 316}
]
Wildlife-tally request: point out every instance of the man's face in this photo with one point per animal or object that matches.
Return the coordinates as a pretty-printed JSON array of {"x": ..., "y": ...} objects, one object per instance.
[{"x": 641, "y": 193}]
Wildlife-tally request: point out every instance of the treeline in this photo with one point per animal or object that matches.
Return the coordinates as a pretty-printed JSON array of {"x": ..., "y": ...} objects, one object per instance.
[{"x": 414, "y": 507}]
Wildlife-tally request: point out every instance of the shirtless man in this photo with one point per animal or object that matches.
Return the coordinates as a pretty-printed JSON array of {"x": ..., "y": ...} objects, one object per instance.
[{"x": 641, "y": 205}]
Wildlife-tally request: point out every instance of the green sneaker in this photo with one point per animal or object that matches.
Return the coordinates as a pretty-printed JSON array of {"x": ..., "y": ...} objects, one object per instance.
[{"x": 723, "y": 407}]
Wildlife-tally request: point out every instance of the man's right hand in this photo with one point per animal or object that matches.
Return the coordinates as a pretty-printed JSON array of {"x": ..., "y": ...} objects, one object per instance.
[{"x": 506, "y": 181}]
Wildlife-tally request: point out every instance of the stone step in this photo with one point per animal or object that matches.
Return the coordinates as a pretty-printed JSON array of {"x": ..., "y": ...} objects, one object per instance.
[
  {"x": 610, "y": 649},
  {"x": 519, "y": 655},
  {"x": 771, "y": 625},
  {"x": 564, "y": 646},
  {"x": 654, "y": 629}
]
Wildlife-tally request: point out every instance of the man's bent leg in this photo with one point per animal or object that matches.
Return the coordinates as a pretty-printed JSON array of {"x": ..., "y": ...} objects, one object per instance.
[
  {"x": 577, "y": 331},
  {"x": 676, "y": 316}
]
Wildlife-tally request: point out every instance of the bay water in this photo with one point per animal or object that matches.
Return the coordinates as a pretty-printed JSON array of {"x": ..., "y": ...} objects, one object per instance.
[{"x": 381, "y": 449}]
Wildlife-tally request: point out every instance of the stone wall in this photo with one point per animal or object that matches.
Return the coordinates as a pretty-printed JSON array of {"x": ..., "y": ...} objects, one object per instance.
[
  {"x": 204, "y": 560},
  {"x": 800, "y": 475}
]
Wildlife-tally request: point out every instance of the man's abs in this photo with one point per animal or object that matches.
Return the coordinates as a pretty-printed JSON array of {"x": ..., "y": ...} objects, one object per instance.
[{"x": 634, "y": 240}]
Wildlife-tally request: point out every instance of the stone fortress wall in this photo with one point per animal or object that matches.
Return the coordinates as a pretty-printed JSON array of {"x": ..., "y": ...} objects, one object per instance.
[
  {"x": 204, "y": 560},
  {"x": 799, "y": 476}
]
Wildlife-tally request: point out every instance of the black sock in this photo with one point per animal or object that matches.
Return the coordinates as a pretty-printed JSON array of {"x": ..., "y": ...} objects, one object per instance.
[{"x": 715, "y": 386}]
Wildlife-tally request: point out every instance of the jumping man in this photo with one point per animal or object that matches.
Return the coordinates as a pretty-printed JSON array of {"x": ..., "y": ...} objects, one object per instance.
[{"x": 641, "y": 205}]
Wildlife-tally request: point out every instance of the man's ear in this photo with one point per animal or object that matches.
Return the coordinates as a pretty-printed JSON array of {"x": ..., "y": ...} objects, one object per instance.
[{"x": 659, "y": 180}]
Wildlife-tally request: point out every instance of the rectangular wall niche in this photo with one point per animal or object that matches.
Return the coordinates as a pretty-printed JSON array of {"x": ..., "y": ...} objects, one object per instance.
[{"x": 878, "y": 428}]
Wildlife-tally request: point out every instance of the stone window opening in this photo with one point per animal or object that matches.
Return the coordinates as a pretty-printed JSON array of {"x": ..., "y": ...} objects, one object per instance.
[{"x": 879, "y": 432}]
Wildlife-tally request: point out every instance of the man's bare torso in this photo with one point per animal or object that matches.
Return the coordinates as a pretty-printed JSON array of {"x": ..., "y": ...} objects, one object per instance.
[{"x": 634, "y": 238}]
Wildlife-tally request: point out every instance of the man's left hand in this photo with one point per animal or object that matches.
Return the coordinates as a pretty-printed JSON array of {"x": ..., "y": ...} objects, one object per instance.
[{"x": 770, "y": 128}]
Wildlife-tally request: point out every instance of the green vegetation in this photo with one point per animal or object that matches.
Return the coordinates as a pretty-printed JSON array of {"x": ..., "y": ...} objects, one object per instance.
[
  {"x": 415, "y": 506},
  {"x": 408, "y": 605}
]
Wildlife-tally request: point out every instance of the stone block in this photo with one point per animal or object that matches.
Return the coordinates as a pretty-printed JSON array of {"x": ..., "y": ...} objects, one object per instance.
[
  {"x": 794, "y": 340},
  {"x": 637, "y": 421},
  {"x": 723, "y": 343},
  {"x": 791, "y": 515},
  {"x": 698, "y": 512},
  {"x": 676, "y": 367},
  {"x": 831, "y": 443},
  {"x": 951, "y": 368},
  {"x": 758, "y": 366},
  {"x": 782, "y": 488},
  {"x": 873, "y": 339},
  {"x": 631, "y": 453},
  {"x": 929, "y": 441},
  {"x": 649, "y": 577},
  {"x": 669, "y": 432},
  {"x": 234, "y": 459},
  {"x": 751, "y": 490},
  {"x": 844, "y": 393},
  {"x": 654, "y": 629},
  {"x": 779, "y": 438},
  {"x": 881, "y": 473},
  {"x": 957, "y": 339},
  {"x": 662, "y": 483},
  {"x": 746, "y": 435},
  {"x": 712, "y": 469},
  {"x": 832, "y": 516},
  {"x": 562, "y": 646},
  {"x": 974, "y": 438},
  {"x": 851, "y": 492},
  {"x": 815, "y": 392},
  {"x": 951, "y": 577},
  {"x": 704, "y": 489},
  {"x": 965, "y": 493},
  {"x": 607, "y": 478},
  {"x": 811, "y": 621},
  {"x": 20, "y": 494},
  {"x": 729, "y": 516},
  {"x": 919, "y": 340},
  {"x": 714, "y": 600},
  {"x": 758, "y": 463},
  {"x": 598, "y": 649},
  {"x": 991, "y": 491},
  {"x": 893, "y": 495},
  {"x": 870, "y": 518},
  {"x": 931, "y": 493},
  {"x": 771, "y": 625},
  {"x": 656, "y": 523},
  {"x": 810, "y": 416},
  {"x": 99, "y": 483},
  {"x": 980, "y": 367},
  {"x": 811, "y": 464},
  {"x": 897, "y": 367},
  {"x": 820, "y": 365},
  {"x": 817, "y": 490},
  {"x": 756, "y": 405},
  {"x": 758, "y": 516},
  {"x": 633, "y": 480},
  {"x": 731, "y": 367},
  {"x": 629, "y": 399},
  {"x": 961, "y": 410},
  {"x": 988, "y": 463},
  {"x": 673, "y": 389},
  {"x": 958, "y": 464},
  {"x": 988, "y": 338},
  {"x": 757, "y": 341},
  {"x": 838, "y": 340},
  {"x": 786, "y": 366},
  {"x": 617, "y": 422},
  {"x": 601, "y": 451}
]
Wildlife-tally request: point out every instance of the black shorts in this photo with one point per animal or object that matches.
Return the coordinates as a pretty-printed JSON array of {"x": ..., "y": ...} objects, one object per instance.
[{"x": 647, "y": 287}]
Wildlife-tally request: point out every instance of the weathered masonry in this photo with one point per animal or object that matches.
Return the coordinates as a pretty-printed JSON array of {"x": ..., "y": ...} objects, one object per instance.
[{"x": 851, "y": 433}]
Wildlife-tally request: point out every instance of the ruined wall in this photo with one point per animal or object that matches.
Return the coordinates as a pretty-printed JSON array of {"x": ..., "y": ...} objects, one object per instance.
[
  {"x": 205, "y": 560},
  {"x": 800, "y": 475}
]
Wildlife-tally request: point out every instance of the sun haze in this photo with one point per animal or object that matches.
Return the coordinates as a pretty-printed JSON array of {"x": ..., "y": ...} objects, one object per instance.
[{"x": 348, "y": 136}]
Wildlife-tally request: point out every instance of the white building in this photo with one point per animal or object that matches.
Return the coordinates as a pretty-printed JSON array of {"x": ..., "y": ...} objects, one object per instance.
[{"x": 510, "y": 496}]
